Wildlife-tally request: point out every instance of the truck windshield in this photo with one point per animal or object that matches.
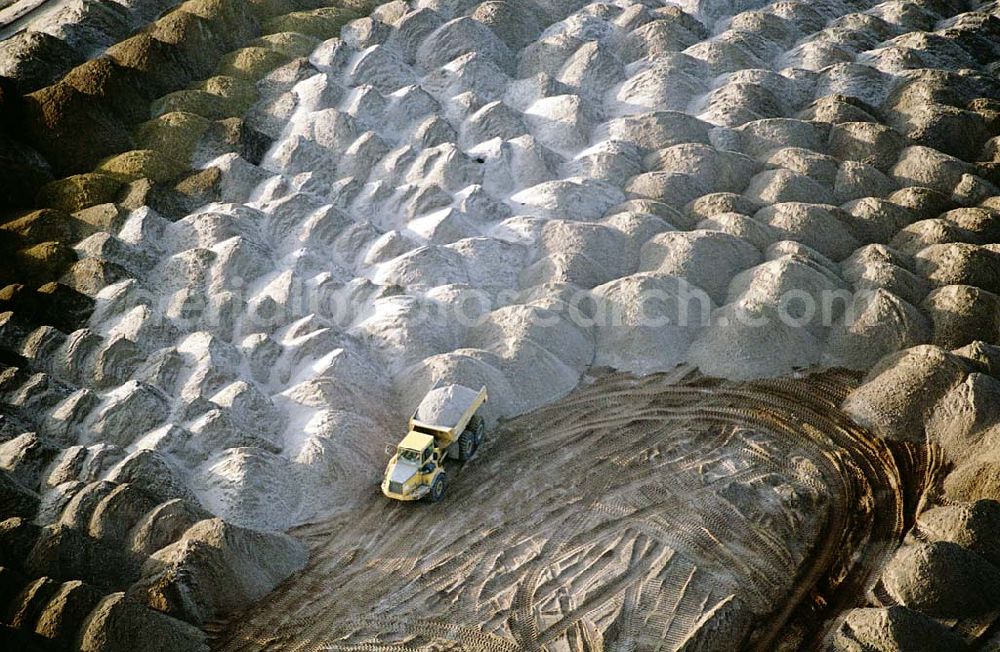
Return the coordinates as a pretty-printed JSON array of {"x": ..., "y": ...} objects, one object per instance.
[{"x": 409, "y": 455}]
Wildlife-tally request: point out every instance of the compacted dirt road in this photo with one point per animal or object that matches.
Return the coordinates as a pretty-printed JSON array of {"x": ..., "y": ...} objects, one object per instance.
[{"x": 671, "y": 512}]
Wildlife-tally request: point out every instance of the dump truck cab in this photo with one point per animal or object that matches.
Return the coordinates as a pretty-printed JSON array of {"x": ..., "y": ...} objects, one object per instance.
[
  {"x": 412, "y": 470},
  {"x": 445, "y": 424}
]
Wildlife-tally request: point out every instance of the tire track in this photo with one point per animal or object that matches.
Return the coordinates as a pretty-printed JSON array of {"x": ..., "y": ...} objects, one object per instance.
[{"x": 625, "y": 513}]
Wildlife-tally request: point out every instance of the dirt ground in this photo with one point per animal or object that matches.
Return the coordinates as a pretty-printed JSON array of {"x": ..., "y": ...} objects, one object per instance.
[{"x": 672, "y": 512}]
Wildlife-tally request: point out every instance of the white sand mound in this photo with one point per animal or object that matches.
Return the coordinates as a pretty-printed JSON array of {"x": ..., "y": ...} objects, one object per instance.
[
  {"x": 924, "y": 166},
  {"x": 657, "y": 130},
  {"x": 462, "y": 36},
  {"x": 712, "y": 169},
  {"x": 611, "y": 161},
  {"x": 957, "y": 263},
  {"x": 543, "y": 352},
  {"x": 967, "y": 525},
  {"x": 984, "y": 356},
  {"x": 329, "y": 447},
  {"x": 250, "y": 487},
  {"x": 866, "y": 141},
  {"x": 804, "y": 291},
  {"x": 743, "y": 227},
  {"x": 962, "y": 314},
  {"x": 871, "y": 219},
  {"x": 424, "y": 268},
  {"x": 815, "y": 225},
  {"x": 646, "y": 322},
  {"x": 874, "y": 326},
  {"x": 574, "y": 198},
  {"x": 638, "y": 226},
  {"x": 707, "y": 259},
  {"x": 877, "y": 266},
  {"x": 774, "y": 186},
  {"x": 662, "y": 85},
  {"x": 584, "y": 254},
  {"x": 215, "y": 568},
  {"x": 818, "y": 167},
  {"x": 919, "y": 235},
  {"x": 718, "y": 202},
  {"x": 760, "y": 137},
  {"x": 406, "y": 329},
  {"x": 745, "y": 342},
  {"x": 966, "y": 417}
]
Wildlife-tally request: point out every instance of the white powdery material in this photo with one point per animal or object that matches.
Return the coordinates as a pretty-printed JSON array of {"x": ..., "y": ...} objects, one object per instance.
[
  {"x": 445, "y": 406},
  {"x": 449, "y": 202}
]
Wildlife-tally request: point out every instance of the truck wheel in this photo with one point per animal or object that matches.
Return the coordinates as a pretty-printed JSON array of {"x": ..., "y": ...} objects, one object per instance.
[
  {"x": 437, "y": 488},
  {"x": 478, "y": 427},
  {"x": 467, "y": 445},
  {"x": 469, "y": 441}
]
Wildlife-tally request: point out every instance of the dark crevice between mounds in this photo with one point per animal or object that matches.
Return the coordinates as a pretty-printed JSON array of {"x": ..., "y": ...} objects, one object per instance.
[{"x": 920, "y": 473}]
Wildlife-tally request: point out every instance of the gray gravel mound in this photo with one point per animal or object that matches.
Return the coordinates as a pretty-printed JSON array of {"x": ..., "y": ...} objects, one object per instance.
[
  {"x": 902, "y": 389},
  {"x": 893, "y": 629},
  {"x": 874, "y": 326},
  {"x": 707, "y": 259},
  {"x": 216, "y": 568},
  {"x": 962, "y": 314},
  {"x": 942, "y": 579},
  {"x": 970, "y": 526}
]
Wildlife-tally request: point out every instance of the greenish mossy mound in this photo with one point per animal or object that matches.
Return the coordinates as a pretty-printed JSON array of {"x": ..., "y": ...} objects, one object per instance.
[
  {"x": 193, "y": 36},
  {"x": 66, "y": 309},
  {"x": 44, "y": 262},
  {"x": 35, "y": 59},
  {"x": 163, "y": 65},
  {"x": 252, "y": 63},
  {"x": 43, "y": 225},
  {"x": 140, "y": 163},
  {"x": 215, "y": 98},
  {"x": 101, "y": 217},
  {"x": 23, "y": 171},
  {"x": 53, "y": 303},
  {"x": 175, "y": 135},
  {"x": 290, "y": 44},
  {"x": 79, "y": 191},
  {"x": 123, "y": 90},
  {"x": 200, "y": 185},
  {"x": 91, "y": 275},
  {"x": 175, "y": 202},
  {"x": 198, "y": 102},
  {"x": 265, "y": 9},
  {"x": 323, "y": 23},
  {"x": 241, "y": 91},
  {"x": 234, "y": 21},
  {"x": 72, "y": 130},
  {"x": 231, "y": 135}
]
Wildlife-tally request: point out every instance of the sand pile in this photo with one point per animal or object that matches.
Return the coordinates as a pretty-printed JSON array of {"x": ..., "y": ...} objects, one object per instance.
[
  {"x": 215, "y": 567},
  {"x": 530, "y": 191},
  {"x": 946, "y": 569},
  {"x": 310, "y": 228},
  {"x": 445, "y": 405}
]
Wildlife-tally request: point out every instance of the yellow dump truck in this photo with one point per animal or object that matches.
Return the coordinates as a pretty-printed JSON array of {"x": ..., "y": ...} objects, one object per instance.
[{"x": 444, "y": 424}]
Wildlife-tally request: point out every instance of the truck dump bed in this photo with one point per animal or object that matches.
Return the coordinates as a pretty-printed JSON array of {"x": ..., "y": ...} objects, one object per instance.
[{"x": 446, "y": 411}]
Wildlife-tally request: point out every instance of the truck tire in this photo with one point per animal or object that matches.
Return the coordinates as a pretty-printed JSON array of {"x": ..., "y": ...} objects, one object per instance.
[
  {"x": 466, "y": 445},
  {"x": 478, "y": 427},
  {"x": 438, "y": 488}
]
